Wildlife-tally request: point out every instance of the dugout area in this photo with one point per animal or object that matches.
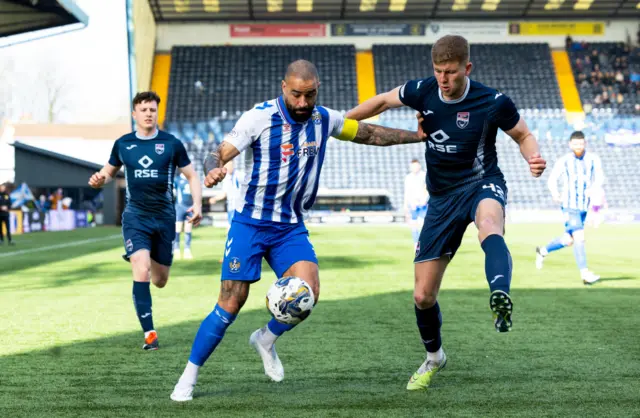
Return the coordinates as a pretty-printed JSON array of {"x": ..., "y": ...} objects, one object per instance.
[{"x": 45, "y": 169}]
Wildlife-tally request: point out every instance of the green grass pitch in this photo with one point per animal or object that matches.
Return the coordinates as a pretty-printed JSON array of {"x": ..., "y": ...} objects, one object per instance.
[{"x": 70, "y": 344}]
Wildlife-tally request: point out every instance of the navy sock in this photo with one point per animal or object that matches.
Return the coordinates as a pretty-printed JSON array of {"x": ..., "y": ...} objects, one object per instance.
[
  {"x": 142, "y": 302},
  {"x": 278, "y": 328},
  {"x": 210, "y": 334},
  {"x": 187, "y": 240},
  {"x": 429, "y": 323},
  {"x": 497, "y": 263}
]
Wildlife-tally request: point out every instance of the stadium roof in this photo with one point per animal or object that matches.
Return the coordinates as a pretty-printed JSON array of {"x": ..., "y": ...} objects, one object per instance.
[
  {"x": 355, "y": 10},
  {"x": 18, "y": 17}
]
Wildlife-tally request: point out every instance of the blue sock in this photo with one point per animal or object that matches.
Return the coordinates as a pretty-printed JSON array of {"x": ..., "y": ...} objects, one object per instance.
[
  {"x": 497, "y": 263},
  {"x": 142, "y": 302},
  {"x": 187, "y": 240},
  {"x": 429, "y": 323},
  {"x": 176, "y": 243},
  {"x": 210, "y": 334},
  {"x": 555, "y": 245},
  {"x": 278, "y": 328},
  {"x": 581, "y": 254}
]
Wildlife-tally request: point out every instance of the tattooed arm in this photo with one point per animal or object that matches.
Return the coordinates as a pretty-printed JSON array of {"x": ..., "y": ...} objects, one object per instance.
[
  {"x": 214, "y": 163},
  {"x": 383, "y": 137}
]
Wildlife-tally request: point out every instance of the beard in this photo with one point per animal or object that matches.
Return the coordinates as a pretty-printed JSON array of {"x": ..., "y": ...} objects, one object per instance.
[{"x": 301, "y": 114}]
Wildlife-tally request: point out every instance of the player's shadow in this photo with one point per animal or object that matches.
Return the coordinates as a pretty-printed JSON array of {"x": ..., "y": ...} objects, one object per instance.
[
  {"x": 13, "y": 264},
  {"x": 354, "y": 357},
  {"x": 351, "y": 262},
  {"x": 615, "y": 279}
]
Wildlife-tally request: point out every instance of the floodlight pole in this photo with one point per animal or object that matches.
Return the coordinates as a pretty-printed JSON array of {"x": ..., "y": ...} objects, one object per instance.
[{"x": 133, "y": 82}]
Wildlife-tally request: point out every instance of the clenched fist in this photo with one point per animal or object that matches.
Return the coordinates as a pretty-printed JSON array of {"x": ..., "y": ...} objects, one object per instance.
[
  {"x": 537, "y": 164},
  {"x": 215, "y": 176},
  {"x": 97, "y": 180}
]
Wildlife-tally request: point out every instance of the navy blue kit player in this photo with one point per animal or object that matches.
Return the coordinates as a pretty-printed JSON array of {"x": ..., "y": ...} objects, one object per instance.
[
  {"x": 284, "y": 141},
  {"x": 150, "y": 157},
  {"x": 461, "y": 118}
]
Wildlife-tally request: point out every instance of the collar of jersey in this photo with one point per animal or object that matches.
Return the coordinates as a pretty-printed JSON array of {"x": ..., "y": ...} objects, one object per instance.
[
  {"x": 284, "y": 112},
  {"x": 459, "y": 99},
  {"x": 153, "y": 136}
]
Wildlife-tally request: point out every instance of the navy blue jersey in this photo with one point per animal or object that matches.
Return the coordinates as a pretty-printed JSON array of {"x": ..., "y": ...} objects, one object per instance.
[
  {"x": 149, "y": 168},
  {"x": 183, "y": 192},
  {"x": 461, "y": 143}
]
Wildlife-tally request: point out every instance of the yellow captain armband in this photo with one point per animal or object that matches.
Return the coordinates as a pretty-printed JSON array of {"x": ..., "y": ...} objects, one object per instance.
[{"x": 349, "y": 130}]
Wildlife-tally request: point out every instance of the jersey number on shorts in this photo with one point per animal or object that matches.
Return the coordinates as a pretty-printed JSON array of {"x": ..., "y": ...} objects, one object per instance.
[{"x": 497, "y": 190}]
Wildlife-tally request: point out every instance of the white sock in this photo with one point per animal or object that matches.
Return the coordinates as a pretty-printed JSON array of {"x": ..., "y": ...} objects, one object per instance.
[
  {"x": 543, "y": 251},
  {"x": 190, "y": 374},
  {"x": 267, "y": 336},
  {"x": 146, "y": 334},
  {"x": 437, "y": 357}
]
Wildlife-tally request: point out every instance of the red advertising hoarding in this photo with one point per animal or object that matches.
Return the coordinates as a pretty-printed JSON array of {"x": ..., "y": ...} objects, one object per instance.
[{"x": 278, "y": 31}]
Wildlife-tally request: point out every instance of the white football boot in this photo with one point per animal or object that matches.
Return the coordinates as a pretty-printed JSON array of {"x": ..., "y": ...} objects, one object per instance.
[{"x": 272, "y": 364}]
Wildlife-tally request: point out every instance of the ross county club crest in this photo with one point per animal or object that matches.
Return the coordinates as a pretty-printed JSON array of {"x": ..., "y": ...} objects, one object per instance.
[
  {"x": 159, "y": 149},
  {"x": 128, "y": 245},
  {"x": 463, "y": 120}
]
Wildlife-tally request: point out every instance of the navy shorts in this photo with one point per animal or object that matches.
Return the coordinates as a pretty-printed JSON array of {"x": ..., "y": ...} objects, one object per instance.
[
  {"x": 181, "y": 213},
  {"x": 449, "y": 215},
  {"x": 148, "y": 233},
  {"x": 282, "y": 245}
]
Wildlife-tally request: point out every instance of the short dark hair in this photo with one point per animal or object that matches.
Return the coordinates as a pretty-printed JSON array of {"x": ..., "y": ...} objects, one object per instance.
[
  {"x": 415, "y": 160},
  {"x": 577, "y": 135},
  {"x": 450, "y": 48},
  {"x": 302, "y": 69},
  {"x": 145, "y": 96}
]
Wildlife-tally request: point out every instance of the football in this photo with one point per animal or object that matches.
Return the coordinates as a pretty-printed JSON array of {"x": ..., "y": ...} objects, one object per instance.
[{"x": 290, "y": 300}]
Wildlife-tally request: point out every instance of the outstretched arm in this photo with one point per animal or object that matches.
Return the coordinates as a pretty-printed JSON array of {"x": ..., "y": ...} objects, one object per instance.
[
  {"x": 380, "y": 136},
  {"x": 376, "y": 105}
]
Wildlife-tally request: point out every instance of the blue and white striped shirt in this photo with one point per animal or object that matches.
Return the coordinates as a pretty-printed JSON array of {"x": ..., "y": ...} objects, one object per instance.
[
  {"x": 283, "y": 160},
  {"x": 579, "y": 176}
]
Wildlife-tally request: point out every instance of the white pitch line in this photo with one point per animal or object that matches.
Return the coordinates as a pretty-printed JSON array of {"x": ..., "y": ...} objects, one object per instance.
[{"x": 53, "y": 247}]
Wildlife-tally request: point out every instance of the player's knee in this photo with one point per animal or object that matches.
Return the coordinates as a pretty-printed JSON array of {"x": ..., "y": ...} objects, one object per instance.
[
  {"x": 489, "y": 226},
  {"x": 424, "y": 300},
  {"x": 578, "y": 236},
  {"x": 233, "y": 295},
  {"x": 141, "y": 271},
  {"x": 160, "y": 281},
  {"x": 567, "y": 240}
]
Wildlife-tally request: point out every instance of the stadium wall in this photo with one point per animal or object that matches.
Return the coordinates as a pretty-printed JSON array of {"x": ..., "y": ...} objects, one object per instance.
[{"x": 479, "y": 32}]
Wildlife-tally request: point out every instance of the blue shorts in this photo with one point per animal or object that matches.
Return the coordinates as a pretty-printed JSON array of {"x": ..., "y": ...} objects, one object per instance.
[
  {"x": 147, "y": 233},
  {"x": 449, "y": 215},
  {"x": 181, "y": 213},
  {"x": 419, "y": 212},
  {"x": 574, "y": 220},
  {"x": 282, "y": 245}
]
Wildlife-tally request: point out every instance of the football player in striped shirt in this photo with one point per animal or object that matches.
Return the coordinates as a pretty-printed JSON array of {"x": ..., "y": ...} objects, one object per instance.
[
  {"x": 285, "y": 141},
  {"x": 581, "y": 174}
]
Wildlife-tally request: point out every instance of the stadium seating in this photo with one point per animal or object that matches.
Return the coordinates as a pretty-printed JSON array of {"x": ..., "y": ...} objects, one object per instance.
[
  {"x": 604, "y": 74},
  {"x": 522, "y": 71},
  {"x": 222, "y": 81},
  {"x": 201, "y": 118}
]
